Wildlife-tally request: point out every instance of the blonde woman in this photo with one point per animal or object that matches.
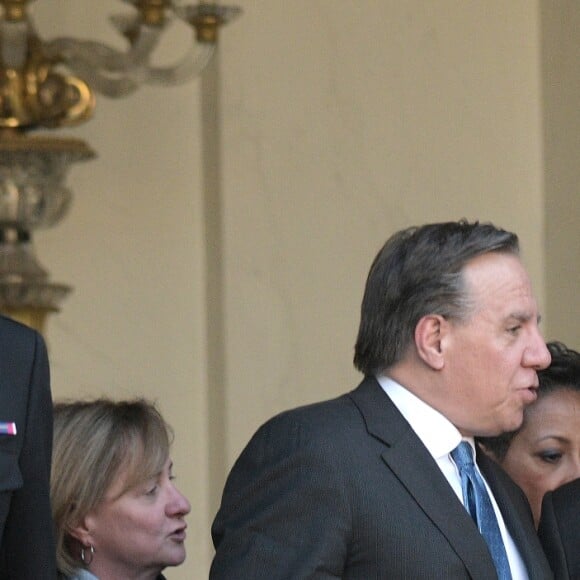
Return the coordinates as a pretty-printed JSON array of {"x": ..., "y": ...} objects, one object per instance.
[{"x": 117, "y": 512}]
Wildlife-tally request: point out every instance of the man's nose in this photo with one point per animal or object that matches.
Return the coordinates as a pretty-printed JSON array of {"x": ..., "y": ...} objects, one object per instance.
[{"x": 537, "y": 354}]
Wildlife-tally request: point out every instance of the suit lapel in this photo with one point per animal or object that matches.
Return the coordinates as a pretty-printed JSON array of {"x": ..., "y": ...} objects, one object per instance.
[{"x": 411, "y": 463}]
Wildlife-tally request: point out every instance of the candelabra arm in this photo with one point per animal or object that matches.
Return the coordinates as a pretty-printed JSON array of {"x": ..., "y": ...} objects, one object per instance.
[
  {"x": 183, "y": 71},
  {"x": 118, "y": 74}
]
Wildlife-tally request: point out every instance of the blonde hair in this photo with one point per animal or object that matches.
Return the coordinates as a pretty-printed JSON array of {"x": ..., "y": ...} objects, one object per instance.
[{"x": 94, "y": 441}]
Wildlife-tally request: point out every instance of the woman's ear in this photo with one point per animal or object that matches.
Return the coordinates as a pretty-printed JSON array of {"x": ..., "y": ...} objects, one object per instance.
[
  {"x": 429, "y": 335},
  {"x": 81, "y": 531}
]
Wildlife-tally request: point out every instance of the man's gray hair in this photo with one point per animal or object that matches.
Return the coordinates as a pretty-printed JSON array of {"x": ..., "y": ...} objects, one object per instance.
[{"x": 419, "y": 271}]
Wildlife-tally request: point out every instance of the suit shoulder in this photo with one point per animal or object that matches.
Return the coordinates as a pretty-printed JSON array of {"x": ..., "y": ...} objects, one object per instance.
[
  {"x": 11, "y": 330},
  {"x": 316, "y": 416},
  {"x": 7, "y": 323},
  {"x": 318, "y": 425},
  {"x": 23, "y": 349}
]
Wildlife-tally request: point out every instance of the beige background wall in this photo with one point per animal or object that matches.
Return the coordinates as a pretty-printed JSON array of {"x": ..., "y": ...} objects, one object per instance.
[
  {"x": 218, "y": 261},
  {"x": 560, "y": 50}
]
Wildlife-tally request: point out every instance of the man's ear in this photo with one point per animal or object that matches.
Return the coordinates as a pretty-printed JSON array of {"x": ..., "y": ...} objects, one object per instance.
[{"x": 429, "y": 334}]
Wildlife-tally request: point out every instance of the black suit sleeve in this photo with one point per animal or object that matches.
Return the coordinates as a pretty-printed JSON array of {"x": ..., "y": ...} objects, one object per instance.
[
  {"x": 559, "y": 530},
  {"x": 28, "y": 542}
]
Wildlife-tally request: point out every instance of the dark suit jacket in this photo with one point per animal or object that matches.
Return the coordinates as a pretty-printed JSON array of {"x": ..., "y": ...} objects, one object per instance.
[
  {"x": 27, "y": 549},
  {"x": 345, "y": 489},
  {"x": 559, "y": 530}
]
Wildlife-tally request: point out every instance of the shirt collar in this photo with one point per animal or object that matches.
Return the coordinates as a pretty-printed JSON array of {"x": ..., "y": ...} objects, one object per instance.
[
  {"x": 436, "y": 432},
  {"x": 82, "y": 574}
]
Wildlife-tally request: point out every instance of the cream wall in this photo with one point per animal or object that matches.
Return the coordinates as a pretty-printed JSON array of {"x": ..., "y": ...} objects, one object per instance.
[
  {"x": 360, "y": 120},
  {"x": 561, "y": 122},
  {"x": 219, "y": 263}
]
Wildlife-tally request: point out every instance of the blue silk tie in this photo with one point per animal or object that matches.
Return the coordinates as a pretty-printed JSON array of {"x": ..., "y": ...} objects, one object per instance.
[{"x": 478, "y": 504}]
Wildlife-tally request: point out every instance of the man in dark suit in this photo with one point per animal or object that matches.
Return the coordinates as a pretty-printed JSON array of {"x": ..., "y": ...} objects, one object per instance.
[
  {"x": 560, "y": 530},
  {"x": 373, "y": 484},
  {"x": 27, "y": 548}
]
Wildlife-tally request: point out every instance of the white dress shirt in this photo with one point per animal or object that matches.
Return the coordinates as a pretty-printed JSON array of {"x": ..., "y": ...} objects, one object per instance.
[{"x": 441, "y": 437}]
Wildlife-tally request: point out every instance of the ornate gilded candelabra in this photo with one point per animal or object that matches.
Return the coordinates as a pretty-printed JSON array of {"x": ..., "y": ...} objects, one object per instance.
[{"x": 50, "y": 84}]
